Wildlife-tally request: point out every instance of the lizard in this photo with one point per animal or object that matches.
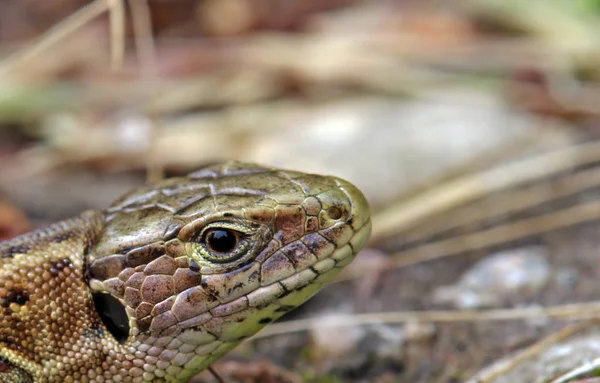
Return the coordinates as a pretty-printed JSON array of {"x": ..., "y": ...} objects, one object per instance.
[{"x": 172, "y": 276}]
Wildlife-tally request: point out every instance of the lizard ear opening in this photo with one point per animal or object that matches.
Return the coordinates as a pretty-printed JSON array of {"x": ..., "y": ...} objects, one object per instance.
[{"x": 113, "y": 315}]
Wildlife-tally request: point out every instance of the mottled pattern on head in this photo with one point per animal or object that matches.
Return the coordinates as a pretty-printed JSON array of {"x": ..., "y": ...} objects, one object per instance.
[{"x": 183, "y": 270}]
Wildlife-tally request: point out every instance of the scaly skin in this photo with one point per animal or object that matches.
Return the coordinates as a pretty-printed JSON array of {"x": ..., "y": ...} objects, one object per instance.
[{"x": 173, "y": 276}]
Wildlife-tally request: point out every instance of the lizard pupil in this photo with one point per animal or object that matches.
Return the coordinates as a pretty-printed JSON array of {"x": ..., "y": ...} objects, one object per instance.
[{"x": 221, "y": 240}]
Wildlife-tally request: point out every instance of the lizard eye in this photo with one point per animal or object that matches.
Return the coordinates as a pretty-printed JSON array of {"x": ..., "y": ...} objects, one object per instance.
[
  {"x": 217, "y": 245},
  {"x": 224, "y": 243},
  {"x": 221, "y": 241}
]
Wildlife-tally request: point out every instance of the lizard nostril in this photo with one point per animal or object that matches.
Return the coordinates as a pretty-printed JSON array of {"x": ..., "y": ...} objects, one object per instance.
[
  {"x": 334, "y": 212},
  {"x": 113, "y": 315}
]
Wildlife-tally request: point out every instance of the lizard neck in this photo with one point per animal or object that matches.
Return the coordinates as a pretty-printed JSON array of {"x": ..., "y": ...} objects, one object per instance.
[{"x": 46, "y": 324}]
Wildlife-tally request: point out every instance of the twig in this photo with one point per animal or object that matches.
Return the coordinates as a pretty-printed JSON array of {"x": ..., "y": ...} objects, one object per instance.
[
  {"x": 215, "y": 374},
  {"x": 54, "y": 35}
]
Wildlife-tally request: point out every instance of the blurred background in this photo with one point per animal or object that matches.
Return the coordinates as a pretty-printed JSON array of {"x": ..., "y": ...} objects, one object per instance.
[{"x": 472, "y": 126}]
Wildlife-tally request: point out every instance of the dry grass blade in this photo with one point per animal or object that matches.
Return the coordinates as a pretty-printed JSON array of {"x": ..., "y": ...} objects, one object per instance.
[
  {"x": 154, "y": 168},
  {"x": 573, "y": 311},
  {"x": 487, "y": 159},
  {"x": 53, "y": 36},
  {"x": 577, "y": 372},
  {"x": 514, "y": 230},
  {"x": 144, "y": 41},
  {"x": 146, "y": 51},
  {"x": 409, "y": 213},
  {"x": 117, "y": 33},
  {"x": 502, "y": 367},
  {"x": 514, "y": 202},
  {"x": 524, "y": 228}
]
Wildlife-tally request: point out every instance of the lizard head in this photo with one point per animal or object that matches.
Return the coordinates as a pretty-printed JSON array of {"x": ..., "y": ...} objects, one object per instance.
[{"x": 187, "y": 268}]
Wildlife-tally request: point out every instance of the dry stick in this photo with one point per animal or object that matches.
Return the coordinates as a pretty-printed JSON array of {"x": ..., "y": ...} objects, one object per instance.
[
  {"x": 572, "y": 311},
  {"x": 500, "y": 368},
  {"x": 54, "y": 35},
  {"x": 117, "y": 33},
  {"x": 406, "y": 214},
  {"x": 516, "y": 201}
]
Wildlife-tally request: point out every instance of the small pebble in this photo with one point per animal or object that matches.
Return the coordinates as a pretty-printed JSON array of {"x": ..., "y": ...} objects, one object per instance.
[{"x": 498, "y": 277}]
